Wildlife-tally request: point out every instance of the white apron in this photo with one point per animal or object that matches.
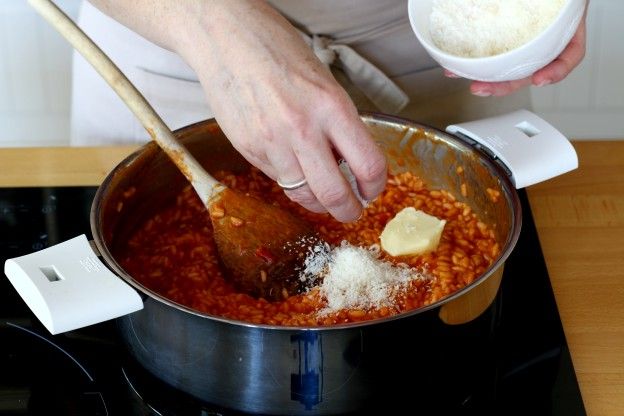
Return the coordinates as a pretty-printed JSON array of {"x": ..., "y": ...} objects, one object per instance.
[{"x": 368, "y": 44}]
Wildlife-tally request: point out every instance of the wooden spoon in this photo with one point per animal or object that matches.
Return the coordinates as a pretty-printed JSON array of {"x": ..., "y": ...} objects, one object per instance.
[{"x": 262, "y": 246}]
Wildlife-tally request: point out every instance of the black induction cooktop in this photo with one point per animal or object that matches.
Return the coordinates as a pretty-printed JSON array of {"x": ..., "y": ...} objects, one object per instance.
[{"x": 87, "y": 372}]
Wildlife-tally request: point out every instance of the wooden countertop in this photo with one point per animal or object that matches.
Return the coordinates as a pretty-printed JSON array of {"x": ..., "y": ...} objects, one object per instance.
[{"x": 580, "y": 221}]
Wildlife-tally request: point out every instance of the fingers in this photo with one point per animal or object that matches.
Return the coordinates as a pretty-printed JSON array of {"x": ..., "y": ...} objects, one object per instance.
[
  {"x": 347, "y": 134},
  {"x": 325, "y": 182},
  {"x": 498, "y": 89},
  {"x": 450, "y": 74},
  {"x": 364, "y": 157},
  {"x": 311, "y": 155},
  {"x": 569, "y": 59},
  {"x": 302, "y": 146},
  {"x": 288, "y": 171},
  {"x": 306, "y": 155}
]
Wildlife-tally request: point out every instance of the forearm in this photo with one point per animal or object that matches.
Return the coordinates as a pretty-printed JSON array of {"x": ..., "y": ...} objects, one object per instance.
[
  {"x": 179, "y": 25},
  {"x": 212, "y": 36},
  {"x": 163, "y": 22}
]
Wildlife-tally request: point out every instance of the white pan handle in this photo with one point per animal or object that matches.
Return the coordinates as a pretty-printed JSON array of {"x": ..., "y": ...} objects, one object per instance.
[
  {"x": 530, "y": 148},
  {"x": 67, "y": 287}
]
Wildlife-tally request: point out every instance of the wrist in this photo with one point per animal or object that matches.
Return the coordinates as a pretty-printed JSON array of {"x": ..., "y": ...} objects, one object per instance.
[
  {"x": 209, "y": 34},
  {"x": 198, "y": 27},
  {"x": 184, "y": 25}
]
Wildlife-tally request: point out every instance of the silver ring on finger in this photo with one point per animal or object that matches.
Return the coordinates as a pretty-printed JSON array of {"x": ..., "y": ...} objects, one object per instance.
[{"x": 292, "y": 185}]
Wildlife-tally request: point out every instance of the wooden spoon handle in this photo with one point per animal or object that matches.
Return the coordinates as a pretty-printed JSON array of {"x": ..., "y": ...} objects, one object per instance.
[{"x": 205, "y": 185}]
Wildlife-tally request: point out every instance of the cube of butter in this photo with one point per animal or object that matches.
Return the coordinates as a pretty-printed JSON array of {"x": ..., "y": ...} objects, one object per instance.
[{"x": 411, "y": 232}]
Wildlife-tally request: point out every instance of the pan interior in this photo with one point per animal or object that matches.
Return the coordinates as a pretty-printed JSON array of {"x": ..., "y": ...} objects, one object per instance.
[{"x": 436, "y": 157}]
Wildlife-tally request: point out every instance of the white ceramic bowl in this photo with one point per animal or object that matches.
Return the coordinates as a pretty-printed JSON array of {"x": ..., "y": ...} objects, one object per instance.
[{"x": 515, "y": 64}]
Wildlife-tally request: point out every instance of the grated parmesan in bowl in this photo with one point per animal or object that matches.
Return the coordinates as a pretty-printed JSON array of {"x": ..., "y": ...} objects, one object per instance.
[
  {"x": 476, "y": 28},
  {"x": 495, "y": 40},
  {"x": 356, "y": 277}
]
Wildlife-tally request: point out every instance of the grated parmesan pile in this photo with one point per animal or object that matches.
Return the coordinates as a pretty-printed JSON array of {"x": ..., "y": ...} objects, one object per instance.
[
  {"x": 355, "y": 277},
  {"x": 477, "y": 28}
]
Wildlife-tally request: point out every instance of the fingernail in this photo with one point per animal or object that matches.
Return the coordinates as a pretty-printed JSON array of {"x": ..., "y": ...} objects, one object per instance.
[
  {"x": 451, "y": 75},
  {"x": 482, "y": 93},
  {"x": 543, "y": 82}
]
